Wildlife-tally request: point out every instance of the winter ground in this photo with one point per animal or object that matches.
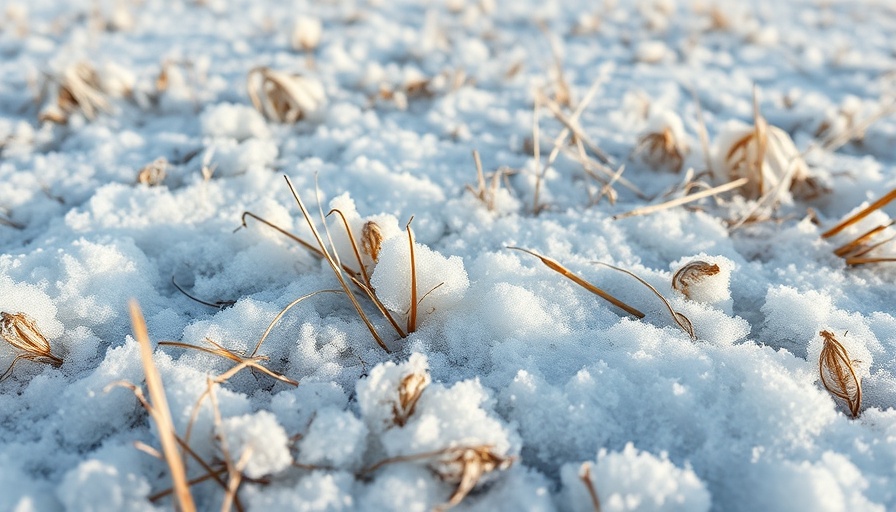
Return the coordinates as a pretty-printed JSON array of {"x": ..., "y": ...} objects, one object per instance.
[{"x": 523, "y": 363}]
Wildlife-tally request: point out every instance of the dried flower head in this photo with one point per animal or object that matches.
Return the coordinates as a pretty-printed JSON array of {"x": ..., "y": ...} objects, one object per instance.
[
  {"x": 409, "y": 391},
  {"x": 660, "y": 148},
  {"x": 767, "y": 157},
  {"x": 20, "y": 331},
  {"x": 838, "y": 375},
  {"x": 79, "y": 88},
  {"x": 371, "y": 240},
  {"x": 465, "y": 466},
  {"x": 284, "y": 97},
  {"x": 692, "y": 273},
  {"x": 153, "y": 173}
]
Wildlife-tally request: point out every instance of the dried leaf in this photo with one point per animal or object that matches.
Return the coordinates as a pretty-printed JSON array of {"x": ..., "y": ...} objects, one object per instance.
[
  {"x": 838, "y": 375},
  {"x": 20, "y": 331},
  {"x": 692, "y": 273}
]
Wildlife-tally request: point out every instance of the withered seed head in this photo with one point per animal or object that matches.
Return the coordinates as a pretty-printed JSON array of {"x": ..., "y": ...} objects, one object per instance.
[
  {"x": 465, "y": 466},
  {"x": 20, "y": 331},
  {"x": 153, "y": 173},
  {"x": 661, "y": 150},
  {"x": 409, "y": 391},
  {"x": 371, "y": 240},
  {"x": 838, "y": 375},
  {"x": 691, "y": 273}
]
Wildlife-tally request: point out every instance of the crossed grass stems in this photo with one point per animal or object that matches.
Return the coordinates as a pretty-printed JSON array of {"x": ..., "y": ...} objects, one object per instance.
[{"x": 462, "y": 465}]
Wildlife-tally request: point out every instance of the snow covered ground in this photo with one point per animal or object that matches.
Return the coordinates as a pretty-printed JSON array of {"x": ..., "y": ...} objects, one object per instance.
[{"x": 514, "y": 377}]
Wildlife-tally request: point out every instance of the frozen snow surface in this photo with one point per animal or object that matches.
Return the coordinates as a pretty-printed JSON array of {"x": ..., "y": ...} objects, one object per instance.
[{"x": 508, "y": 386}]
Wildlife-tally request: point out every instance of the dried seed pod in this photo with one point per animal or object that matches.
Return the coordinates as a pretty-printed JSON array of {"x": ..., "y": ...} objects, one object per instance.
[
  {"x": 409, "y": 391},
  {"x": 465, "y": 466},
  {"x": 78, "y": 88},
  {"x": 766, "y": 156},
  {"x": 838, "y": 375},
  {"x": 284, "y": 97},
  {"x": 20, "y": 331},
  {"x": 371, "y": 240},
  {"x": 661, "y": 145},
  {"x": 153, "y": 173},
  {"x": 692, "y": 273}
]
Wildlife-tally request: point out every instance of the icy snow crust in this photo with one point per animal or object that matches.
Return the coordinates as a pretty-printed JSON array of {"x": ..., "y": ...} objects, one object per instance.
[{"x": 521, "y": 360}]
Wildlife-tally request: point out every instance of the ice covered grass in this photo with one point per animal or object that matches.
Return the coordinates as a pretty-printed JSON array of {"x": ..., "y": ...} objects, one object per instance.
[{"x": 733, "y": 160}]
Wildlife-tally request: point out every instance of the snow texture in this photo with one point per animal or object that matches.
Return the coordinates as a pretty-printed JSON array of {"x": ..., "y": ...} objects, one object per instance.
[{"x": 513, "y": 376}]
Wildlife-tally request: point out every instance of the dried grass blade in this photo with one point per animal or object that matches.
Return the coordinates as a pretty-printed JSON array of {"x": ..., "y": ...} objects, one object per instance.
[
  {"x": 560, "y": 269},
  {"x": 585, "y": 476},
  {"x": 412, "y": 314},
  {"x": 852, "y": 219},
  {"x": 536, "y": 156},
  {"x": 161, "y": 413},
  {"x": 310, "y": 248},
  {"x": 865, "y": 261},
  {"x": 351, "y": 239},
  {"x": 283, "y": 312},
  {"x": 837, "y": 373},
  {"x": 682, "y": 321},
  {"x": 850, "y": 248},
  {"x": 704, "y": 134},
  {"x": 221, "y": 304},
  {"x": 337, "y": 270},
  {"x": 731, "y": 185}
]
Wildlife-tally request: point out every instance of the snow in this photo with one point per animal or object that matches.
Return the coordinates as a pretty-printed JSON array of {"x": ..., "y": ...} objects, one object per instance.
[{"x": 513, "y": 377}]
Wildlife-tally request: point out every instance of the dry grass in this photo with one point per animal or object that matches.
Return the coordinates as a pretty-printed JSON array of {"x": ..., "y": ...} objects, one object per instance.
[
  {"x": 283, "y": 97},
  {"x": 219, "y": 304},
  {"x": 337, "y": 269},
  {"x": 855, "y": 251},
  {"x": 585, "y": 476},
  {"x": 410, "y": 389},
  {"x": 693, "y": 273},
  {"x": 680, "y": 319},
  {"x": 5, "y": 220},
  {"x": 153, "y": 173},
  {"x": 78, "y": 88},
  {"x": 661, "y": 150},
  {"x": 486, "y": 189},
  {"x": 161, "y": 414},
  {"x": 463, "y": 466},
  {"x": 21, "y": 332},
  {"x": 565, "y": 272},
  {"x": 644, "y": 210},
  {"x": 241, "y": 360},
  {"x": 838, "y": 375}
]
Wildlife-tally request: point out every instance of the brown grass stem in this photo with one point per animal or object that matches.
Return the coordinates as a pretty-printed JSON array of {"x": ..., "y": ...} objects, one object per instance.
[
  {"x": 337, "y": 270},
  {"x": 161, "y": 413},
  {"x": 684, "y": 200},
  {"x": 560, "y": 269},
  {"x": 856, "y": 217}
]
